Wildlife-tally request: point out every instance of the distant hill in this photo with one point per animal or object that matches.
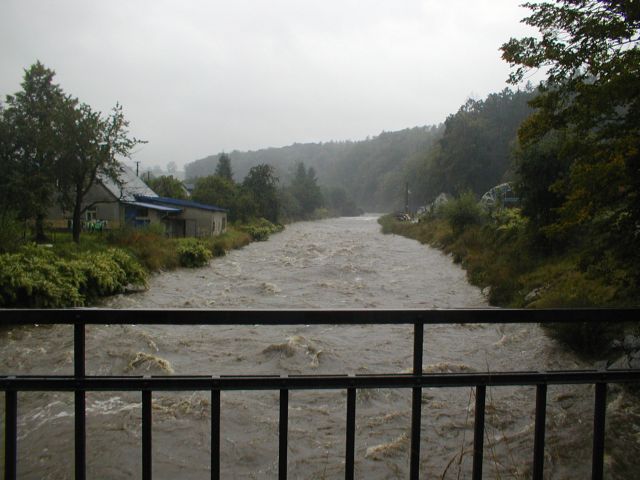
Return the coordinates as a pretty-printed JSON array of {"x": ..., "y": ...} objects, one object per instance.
[
  {"x": 471, "y": 151},
  {"x": 372, "y": 170}
]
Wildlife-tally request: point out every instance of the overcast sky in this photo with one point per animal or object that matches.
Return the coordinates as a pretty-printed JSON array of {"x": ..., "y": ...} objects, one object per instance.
[{"x": 199, "y": 77}]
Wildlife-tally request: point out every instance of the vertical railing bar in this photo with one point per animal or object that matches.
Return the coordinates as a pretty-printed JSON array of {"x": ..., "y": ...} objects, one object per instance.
[
  {"x": 283, "y": 434},
  {"x": 215, "y": 434},
  {"x": 146, "y": 435},
  {"x": 599, "y": 414},
  {"x": 540, "y": 423},
  {"x": 351, "y": 435},
  {"x": 80, "y": 428},
  {"x": 478, "y": 432},
  {"x": 10, "y": 434},
  {"x": 416, "y": 402}
]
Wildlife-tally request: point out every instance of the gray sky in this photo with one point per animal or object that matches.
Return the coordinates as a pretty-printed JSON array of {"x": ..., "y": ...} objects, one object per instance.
[{"x": 199, "y": 77}]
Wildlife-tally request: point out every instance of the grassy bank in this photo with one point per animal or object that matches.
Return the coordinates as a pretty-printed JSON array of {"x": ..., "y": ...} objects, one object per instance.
[
  {"x": 66, "y": 274},
  {"x": 500, "y": 256}
]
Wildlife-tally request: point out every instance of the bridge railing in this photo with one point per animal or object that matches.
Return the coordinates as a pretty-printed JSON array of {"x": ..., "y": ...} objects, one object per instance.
[{"x": 80, "y": 383}]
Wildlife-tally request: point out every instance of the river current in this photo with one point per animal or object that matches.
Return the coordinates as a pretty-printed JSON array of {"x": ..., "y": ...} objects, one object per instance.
[{"x": 336, "y": 263}]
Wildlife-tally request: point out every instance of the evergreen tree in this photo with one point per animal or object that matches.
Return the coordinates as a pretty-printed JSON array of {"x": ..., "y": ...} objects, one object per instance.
[
  {"x": 31, "y": 140},
  {"x": 223, "y": 169}
]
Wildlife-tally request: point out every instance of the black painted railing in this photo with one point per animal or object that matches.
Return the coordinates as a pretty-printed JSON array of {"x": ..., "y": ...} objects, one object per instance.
[{"x": 79, "y": 383}]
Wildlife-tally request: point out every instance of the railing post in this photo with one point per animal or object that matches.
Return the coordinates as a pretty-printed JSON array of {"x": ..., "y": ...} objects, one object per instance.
[
  {"x": 146, "y": 435},
  {"x": 215, "y": 434},
  {"x": 478, "y": 434},
  {"x": 538, "y": 440},
  {"x": 283, "y": 434},
  {"x": 416, "y": 402},
  {"x": 10, "y": 434},
  {"x": 599, "y": 414},
  {"x": 351, "y": 435},
  {"x": 80, "y": 401}
]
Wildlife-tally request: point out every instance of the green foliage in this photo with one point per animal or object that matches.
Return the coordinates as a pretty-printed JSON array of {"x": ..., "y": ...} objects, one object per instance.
[
  {"x": 37, "y": 278},
  {"x": 193, "y": 253},
  {"x": 579, "y": 176},
  {"x": 149, "y": 245},
  {"x": 260, "y": 229},
  {"x": 304, "y": 188},
  {"x": 223, "y": 169},
  {"x": 474, "y": 153},
  {"x": 502, "y": 256},
  {"x": 30, "y": 145},
  {"x": 11, "y": 232},
  {"x": 260, "y": 184},
  {"x": 462, "y": 212},
  {"x": 167, "y": 186},
  {"x": 233, "y": 238},
  {"x": 219, "y": 191},
  {"x": 50, "y": 141}
]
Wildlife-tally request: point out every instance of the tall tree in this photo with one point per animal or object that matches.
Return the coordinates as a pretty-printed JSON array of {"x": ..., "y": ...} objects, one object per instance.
[
  {"x": 223, "y": 169},
  {"x": 218, "y": 191},
  {"x": 32, "y": 144},
  {"x": 167, "y": 186},
  {"x": 92, "y": 145},
  {"x": 591, "y": 50},
  {"x": 304, "y": 187},
  {"x": 261, "y": 183}
]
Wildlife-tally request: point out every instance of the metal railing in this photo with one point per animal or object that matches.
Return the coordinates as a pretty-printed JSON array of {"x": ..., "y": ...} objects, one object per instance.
[{"x": 80, "y": 383}]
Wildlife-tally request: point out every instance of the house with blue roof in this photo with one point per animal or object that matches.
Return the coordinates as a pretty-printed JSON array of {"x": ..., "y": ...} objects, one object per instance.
[{"x": 128, "y": 201}]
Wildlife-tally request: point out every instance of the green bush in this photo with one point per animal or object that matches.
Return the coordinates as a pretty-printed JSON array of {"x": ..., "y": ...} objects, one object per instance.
[
  {"x": 193, "y": 253},
  {"x": 36, "y": 277},
  {"x": 260, "y": 229},
  {"x": 462, "y": 212},
  {"x": 149, "y": 246},
  {"x": 11, "y": 233}
]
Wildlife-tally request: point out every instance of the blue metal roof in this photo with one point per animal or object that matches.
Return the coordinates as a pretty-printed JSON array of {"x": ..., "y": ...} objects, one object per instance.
[
  {"x": 181, "y": 203},
  {"x": 152, "y": 206}
]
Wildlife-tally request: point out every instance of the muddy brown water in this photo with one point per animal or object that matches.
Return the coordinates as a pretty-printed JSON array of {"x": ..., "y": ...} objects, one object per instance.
[{"x": 336, "y": 263}]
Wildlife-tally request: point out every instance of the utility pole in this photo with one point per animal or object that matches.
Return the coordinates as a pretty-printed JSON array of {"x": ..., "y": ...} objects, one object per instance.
[
  {"x": 137, "y": 168},
  {"x": 406, "y": 198}
]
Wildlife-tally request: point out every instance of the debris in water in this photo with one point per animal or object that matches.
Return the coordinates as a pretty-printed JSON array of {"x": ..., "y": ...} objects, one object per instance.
[
  {"x": 271, "y": 288},
  {"x": 195, "y": 405},
  {"x": 149, "y": 361},
  {"x": 390, "y": 449}
]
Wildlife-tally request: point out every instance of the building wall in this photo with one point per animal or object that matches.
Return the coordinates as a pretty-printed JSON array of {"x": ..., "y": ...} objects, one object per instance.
[
  {"x": 107, "y": 209},
  {"x": 203, "y": 223}
]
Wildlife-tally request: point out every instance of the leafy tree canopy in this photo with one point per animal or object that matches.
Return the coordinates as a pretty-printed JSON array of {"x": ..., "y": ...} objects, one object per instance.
[
  {"x": 261, "y": 184},
  {"x": 167, "y": 186},
  {"x": 591, "y": 102},
  {"x": 223, "y": 169}
]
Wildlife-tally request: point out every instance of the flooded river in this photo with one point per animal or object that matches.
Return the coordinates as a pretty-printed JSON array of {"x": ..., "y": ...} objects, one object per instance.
[{"x": 337, "y": 263}]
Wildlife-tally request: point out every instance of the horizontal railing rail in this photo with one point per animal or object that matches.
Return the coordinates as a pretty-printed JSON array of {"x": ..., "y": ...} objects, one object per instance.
[{"x": 80, "y": 383}]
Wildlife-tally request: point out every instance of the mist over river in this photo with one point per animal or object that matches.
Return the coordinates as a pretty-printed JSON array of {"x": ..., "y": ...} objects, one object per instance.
[{"x": 335, "y": 263}]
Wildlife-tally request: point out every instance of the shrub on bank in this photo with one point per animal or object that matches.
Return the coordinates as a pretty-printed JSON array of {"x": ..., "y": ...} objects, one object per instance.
[
  {"x": 35, "y": 277},
  {"x": 193, "y": 253},
  {"x": 462, "y": 212},
  {"x": 501, "y": 255},
  {"x": 149, "y": 245},
  {"x": 259, "y": 230},
  {"x": 231, "y": 239}
]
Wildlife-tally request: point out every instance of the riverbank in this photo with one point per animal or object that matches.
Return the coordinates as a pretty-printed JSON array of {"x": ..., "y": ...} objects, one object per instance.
[
  {"x": 65, "y": 274},
  {"x": 499, "y": 258}
]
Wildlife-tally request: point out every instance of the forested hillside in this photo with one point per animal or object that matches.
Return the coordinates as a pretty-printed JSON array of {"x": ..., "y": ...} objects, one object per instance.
[
  {"x": 470, "y": 151},
  {"x": 372, "y": 170}
]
